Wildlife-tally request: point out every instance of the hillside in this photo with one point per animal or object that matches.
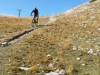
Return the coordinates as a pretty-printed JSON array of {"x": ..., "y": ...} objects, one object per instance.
[
  {"x": 11, "y": 26},
  {"x": 70, "y": 43}
]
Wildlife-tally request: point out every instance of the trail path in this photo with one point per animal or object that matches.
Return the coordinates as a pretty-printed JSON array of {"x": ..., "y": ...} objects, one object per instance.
[
  {"x": 15, "y": 38},
  {"x": 25, "y": 33}
]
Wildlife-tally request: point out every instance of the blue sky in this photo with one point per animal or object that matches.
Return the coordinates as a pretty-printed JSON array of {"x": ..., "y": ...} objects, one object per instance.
[{"x": 45, "y": 7}]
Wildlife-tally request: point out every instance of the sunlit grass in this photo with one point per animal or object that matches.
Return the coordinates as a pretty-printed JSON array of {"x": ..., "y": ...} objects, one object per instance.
[{"x": 51, "y": 47}]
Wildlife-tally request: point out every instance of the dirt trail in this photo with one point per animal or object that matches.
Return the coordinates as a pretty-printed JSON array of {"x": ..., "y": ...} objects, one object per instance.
[{"x": 15, "y": 38}]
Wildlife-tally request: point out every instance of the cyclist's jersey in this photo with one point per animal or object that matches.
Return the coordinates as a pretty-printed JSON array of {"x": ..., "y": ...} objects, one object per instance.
[{"x": 36, "y": 14}]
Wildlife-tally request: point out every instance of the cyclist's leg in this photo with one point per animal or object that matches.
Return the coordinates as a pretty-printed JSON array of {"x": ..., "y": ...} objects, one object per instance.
[
  {"x": 37, "y": 20},
  {"x": 33, "y": 22}
]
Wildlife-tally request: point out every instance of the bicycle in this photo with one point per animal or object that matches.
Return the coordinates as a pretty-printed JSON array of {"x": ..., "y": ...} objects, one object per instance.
[{"x": 34, "y": 21}]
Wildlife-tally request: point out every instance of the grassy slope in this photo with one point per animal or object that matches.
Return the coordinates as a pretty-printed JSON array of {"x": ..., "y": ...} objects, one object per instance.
[
  {"x": 77, "y": 28},
  {"x": 11, "y": 26}
]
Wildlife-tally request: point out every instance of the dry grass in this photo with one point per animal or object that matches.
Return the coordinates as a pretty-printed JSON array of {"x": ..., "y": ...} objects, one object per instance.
[
  {"x": 77, "y": 28},
  {"x": 11, "y": 26}
]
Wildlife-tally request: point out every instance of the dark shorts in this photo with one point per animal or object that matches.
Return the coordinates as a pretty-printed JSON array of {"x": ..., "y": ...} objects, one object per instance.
[{"x": 36, "y": 16}]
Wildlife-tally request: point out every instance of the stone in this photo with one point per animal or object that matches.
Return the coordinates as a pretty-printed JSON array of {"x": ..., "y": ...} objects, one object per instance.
[
  {"x": 78, "y": 59},
  {"x": 52, "y": 73},
  {"x": 62, "y": 72},
  {"x": 90, "y": 51}
]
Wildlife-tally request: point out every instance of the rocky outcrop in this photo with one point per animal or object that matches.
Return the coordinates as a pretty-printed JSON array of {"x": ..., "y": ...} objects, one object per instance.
[{"x": 93, "y": 0}]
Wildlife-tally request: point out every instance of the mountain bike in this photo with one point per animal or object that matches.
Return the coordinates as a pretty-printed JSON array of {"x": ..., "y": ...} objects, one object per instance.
[{"x": 34, "y": 21}]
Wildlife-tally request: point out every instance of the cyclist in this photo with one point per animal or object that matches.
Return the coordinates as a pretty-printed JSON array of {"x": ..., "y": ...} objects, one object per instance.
[{"x": 36, "y": 15}]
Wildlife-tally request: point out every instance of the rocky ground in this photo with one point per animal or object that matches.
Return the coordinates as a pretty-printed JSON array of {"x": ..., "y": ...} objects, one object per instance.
[{"x": 69, "y": 44}]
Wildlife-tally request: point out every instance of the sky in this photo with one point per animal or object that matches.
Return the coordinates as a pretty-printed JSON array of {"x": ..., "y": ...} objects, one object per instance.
[{"x": 45, "y": 7}]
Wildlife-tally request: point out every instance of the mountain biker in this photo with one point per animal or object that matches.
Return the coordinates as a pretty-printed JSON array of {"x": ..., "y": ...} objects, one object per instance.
[{"x": 36, "y": 15}]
